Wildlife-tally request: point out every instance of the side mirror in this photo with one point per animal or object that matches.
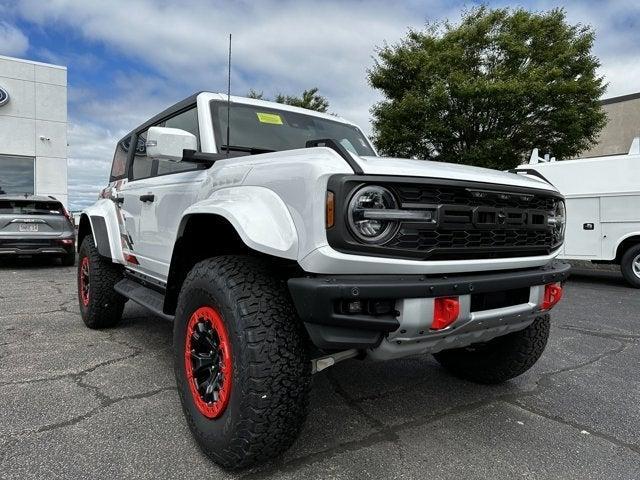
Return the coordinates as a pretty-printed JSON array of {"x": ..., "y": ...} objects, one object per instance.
[{"x": 169, "y": 143}]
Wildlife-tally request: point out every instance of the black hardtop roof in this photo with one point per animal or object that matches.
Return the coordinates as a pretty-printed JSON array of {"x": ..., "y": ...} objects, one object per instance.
[
  {"x": 27, "y": 197},
  {"x": 181, "y": 105}
]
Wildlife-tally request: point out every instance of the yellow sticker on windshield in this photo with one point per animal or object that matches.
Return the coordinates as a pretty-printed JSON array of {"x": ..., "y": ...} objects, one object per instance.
[{"x": 272, "y": 118}]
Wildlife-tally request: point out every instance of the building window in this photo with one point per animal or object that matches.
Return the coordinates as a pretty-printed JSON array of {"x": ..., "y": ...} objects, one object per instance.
[{"x": 16, "y": 175}]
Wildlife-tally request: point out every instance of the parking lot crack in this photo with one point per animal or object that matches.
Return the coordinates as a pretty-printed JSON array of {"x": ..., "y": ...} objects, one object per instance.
[
  {"x": 356, "y": 405},
  {"x": 104, "y": 403},
  {"x": 545, "y": 381},
  {"x": 601, "y": 333},
  {"x": 384, "y": 434},
  {"x": 73, "y": 375},
  {"x": 575, "y": 425}
]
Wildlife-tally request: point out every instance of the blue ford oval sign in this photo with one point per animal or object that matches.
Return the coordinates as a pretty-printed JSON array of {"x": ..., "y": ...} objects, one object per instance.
[{"x": 4, "y": 96}]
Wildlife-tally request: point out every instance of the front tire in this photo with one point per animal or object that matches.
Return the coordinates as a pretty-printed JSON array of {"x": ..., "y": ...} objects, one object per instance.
[
  {"x": 499, "y": 359},
  {"x": 100, "y": 305},
  {"x": 241, "y": 361},
  {"x": 630, "y": 266}
]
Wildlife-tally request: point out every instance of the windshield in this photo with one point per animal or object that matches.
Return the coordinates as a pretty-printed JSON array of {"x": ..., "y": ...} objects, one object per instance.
[
  {"x": 30, "y": 207},
  {"x": 262, "y": 128}
]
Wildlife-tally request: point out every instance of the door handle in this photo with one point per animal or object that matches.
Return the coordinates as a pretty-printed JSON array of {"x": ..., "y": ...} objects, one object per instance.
[
  {"x": 149, "y": 197},
  {"x": 118, "y": 200}
]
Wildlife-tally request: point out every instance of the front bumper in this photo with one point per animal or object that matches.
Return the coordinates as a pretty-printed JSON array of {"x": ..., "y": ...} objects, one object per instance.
[{"x": 407, "y": 329}]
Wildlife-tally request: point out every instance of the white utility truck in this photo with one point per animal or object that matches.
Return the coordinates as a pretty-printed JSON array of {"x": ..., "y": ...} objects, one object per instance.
[
  {"x": 603, "y": 207},
  {"x": 279, "y": 243}
]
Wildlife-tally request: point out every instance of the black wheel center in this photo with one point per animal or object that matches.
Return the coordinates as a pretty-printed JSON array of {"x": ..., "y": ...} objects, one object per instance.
[{"x": 206, "y": 361}]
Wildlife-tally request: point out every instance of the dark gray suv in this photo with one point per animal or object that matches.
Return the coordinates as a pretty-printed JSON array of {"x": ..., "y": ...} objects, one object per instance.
[{"x": 36, "y": 225}]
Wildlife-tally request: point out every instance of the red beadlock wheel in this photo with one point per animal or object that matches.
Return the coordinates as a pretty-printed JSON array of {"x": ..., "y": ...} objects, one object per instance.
[
  {"x": 241, "y": 360},
  {"x": 207, "y": 358},
  {"x": 100, "y": 305}
]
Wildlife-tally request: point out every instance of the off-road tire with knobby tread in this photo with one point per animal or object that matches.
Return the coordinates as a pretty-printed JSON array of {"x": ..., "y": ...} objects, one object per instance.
[
  {"x": 105, "y": 304},
  {"x": 270, "y": 364},
  {"x": 499, "y": 359},
  {"x": 626, "y": 265}
]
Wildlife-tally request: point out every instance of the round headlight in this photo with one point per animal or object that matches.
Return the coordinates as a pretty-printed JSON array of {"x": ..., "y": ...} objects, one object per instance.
[
  {"x": 558, "y": 219},
  {"x": 364, "y": 223}
]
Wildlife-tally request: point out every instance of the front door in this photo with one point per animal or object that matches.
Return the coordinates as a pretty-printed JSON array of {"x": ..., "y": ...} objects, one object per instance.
[
  {"x": 154, "y": 207},
  {"x": 153, "y": 200}
]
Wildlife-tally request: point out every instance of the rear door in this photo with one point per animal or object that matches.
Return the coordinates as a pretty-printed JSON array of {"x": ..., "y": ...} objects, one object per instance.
[{"x": 32, "y": 219}]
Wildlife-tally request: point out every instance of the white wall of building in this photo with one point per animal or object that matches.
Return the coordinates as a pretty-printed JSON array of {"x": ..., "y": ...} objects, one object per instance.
[{"x": 34, "y": 121}]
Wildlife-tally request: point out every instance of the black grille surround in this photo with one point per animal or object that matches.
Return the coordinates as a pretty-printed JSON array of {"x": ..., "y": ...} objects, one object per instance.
[{"x": 475, "y": 220}]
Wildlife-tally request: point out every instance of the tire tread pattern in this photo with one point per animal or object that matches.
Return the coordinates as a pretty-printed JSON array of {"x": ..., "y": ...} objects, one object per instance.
[
  {"x": 273, "y": 375},
  {"x": 500, "y": 359},
  {"x": 105, "y": 304}
]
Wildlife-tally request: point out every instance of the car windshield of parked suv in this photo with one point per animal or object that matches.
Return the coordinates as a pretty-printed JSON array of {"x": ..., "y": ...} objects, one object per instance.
[
  {"x": 30, "y": 207},
  {"x": 260, "y": 128}
]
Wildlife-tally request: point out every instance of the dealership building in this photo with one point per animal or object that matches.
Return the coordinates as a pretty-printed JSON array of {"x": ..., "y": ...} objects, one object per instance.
[
  {"x": 623, "y": 125},
  {"x": 33, "y": 128}
]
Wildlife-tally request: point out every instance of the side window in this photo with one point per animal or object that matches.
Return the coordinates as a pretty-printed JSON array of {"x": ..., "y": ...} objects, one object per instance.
[
  {"x": 187, "y": 121},
  {"x": 119, "y": 165},
  {"x": 142, "y": 165}
]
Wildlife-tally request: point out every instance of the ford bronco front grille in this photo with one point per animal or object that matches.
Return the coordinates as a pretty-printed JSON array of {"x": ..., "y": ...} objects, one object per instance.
[
  {"x": 461, "y": 244},
  {"x": 495, "y": 196},
  {"x": 471, "y": 220}
]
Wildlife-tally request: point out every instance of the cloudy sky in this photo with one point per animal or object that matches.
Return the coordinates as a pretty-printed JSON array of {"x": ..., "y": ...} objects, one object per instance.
[{"x": 129, "y": 59}]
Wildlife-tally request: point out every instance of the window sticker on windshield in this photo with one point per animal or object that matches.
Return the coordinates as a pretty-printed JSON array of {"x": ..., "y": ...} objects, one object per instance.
[{"x": 271, "y": 118}]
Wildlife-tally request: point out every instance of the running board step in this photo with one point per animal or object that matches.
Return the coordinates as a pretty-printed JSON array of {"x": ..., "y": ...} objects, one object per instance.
[{"x": 147, "y": 297}]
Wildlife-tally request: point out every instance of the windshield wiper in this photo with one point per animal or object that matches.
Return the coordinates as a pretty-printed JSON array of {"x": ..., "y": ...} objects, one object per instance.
[{"x": 251, "y": 150}]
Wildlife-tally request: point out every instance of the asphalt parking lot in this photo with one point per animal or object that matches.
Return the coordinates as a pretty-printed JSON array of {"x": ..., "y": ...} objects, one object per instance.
[{"x": 102, "y": 404}]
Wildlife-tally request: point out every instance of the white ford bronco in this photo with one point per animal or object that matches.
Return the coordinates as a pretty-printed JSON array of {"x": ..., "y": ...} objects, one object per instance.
[{"x": 279, "y": 243}]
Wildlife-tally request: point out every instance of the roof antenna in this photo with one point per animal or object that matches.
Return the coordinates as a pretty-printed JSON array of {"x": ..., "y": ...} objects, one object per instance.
[{"x": 229, "y": 97}]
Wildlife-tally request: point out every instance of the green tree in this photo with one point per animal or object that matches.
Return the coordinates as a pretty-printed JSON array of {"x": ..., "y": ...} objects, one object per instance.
[
  {"x": 310, "y": 99},
  {"x": 254, "y": 94},
  {"x": 488, "y": 90}
]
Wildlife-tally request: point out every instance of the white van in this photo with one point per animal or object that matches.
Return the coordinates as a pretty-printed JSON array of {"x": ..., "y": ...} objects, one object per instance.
[{"x": 603, "y": 206}]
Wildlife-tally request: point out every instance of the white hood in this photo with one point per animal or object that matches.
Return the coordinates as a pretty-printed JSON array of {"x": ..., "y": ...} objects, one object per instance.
[{"x": 426, "y": 168}]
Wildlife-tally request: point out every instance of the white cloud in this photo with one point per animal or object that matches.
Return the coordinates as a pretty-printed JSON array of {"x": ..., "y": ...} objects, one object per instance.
[
  {"x": 91, "y": 150},
  {"x": 278, "y": 46},
  {"x": 12, "y": 41}
]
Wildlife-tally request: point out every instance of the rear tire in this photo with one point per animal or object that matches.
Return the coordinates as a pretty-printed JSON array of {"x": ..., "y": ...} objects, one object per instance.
[
  {"x": 267, "y": 371},
  {"x": 69, "y": 260},
  {"x": 499, "y": 359},
  {"x": 100, "y": 305},
  {"x": 630, "y": 265}
]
